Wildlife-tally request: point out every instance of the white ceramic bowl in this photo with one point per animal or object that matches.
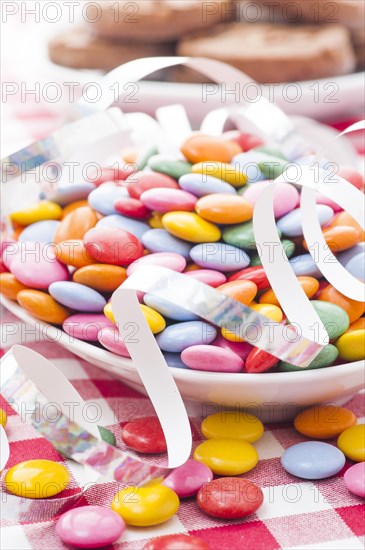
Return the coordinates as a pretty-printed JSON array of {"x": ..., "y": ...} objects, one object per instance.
[{"x": 272, "y": 396}]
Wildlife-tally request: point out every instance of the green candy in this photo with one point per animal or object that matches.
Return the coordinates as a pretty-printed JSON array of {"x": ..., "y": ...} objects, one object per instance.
[
  {"x": 288, "y": 246},
  {"x": 271, "y": 151},
  {"x": 145, "y": 156},
  {"x": 325, "y": 358},
  {"x": 173, "y": 168},
  {"x": 272, "y": 167},
  {"x": 241, "y": 235},
  {"x": 107, "y": 436},
  {"x": 334, "y": 318}
]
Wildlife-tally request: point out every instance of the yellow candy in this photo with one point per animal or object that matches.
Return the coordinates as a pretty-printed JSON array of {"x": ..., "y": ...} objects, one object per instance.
[
  {"x": 145, "y": 506},
  {"x": 3, "y": 417},
  {"x": 222, "y": 171},
  {"x": 232, "y": 424},
  {"x": 351, "y": 345},
  {"x": 352, "y": 443},
  {"x": 37, "y": 479},
  {"x": 155, "y": 220},
  {"x": 231, "y": 336},
  {"x": 272, "y": 312},
  {"x": 190, "y": 227},
  {"x": 227, "y": 457},
  {"x": 155, "y": 321},
  {"x": 44, "y": 210}
]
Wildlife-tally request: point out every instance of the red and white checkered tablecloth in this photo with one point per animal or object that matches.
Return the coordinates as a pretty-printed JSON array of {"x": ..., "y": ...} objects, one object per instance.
[{"x": 295, "y": 514}]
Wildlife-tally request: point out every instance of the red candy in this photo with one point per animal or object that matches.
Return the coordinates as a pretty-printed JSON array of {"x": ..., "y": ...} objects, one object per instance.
[
  {"x": 144, "y": 435},
  {"x": 259, "y": 360},
  {"x": 113, "y": 174},
  {"x": 352, "y": 176},
  {"x": 248, "y": 141},
  {"x": 140, "y": 182},
  {"x": 176, "y": 542},
  {"x": 230, "y": 498},
  {"x": 112, "y": 245},
  {"x": 133, "y": 208},
  {"x": 255, "y": 274}
]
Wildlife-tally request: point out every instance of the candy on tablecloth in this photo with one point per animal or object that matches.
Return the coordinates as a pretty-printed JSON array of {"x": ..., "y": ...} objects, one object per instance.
[
  {"x": 313, "y": 460},
  {"x": 37, "y": 479}
]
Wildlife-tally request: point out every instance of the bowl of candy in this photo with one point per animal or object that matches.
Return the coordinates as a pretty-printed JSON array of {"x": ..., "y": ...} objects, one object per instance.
[{"x": 246, "y": 257}]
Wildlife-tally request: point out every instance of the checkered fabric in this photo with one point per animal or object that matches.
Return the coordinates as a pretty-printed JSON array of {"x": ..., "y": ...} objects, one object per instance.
[{"x": 295, "y": 514}]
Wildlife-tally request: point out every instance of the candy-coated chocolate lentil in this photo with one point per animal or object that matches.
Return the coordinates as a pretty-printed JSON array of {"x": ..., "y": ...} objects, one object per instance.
[
  {"x": 222, "y": 171},
  {"x": 310, "y": 285},
  {"x": 247, "y": 163},
  {"x": 168, "y": 309},
  {"x": 254, "y": 274},
  {"x": 210, "y": 277},
  {"x": 73, "y": 206},
  {"x": 272, "y": 167},
  {"x": 86, "y": 326},
  {"x": 354, "y": 479},
  {"x": 313, "y": 460},
  {"x": 352, "y": 443},
  {"x": 111, "y": 339},
  {"x": 135, "y": 227},
  {"x": 155, "y": 221},
  {"x": 90, "y": 527},
  {"x": 190, "y": 227},
  {"x": 174, "y": 360},
  {"x": 113, "y": 174},
  {"x": 339, "y": 238},
  {"x": 73, "y": 253},
  {"x": 227, "y": 457},
  {"x": 42, "y": 232},
  {"x": 42, "y": 306},
  {"x": 138, "y": 183},
  {"x": 37, "y": 479},
  {"x": 155, "y": 321},
  {"x": 357, "y": 325},
  {"x": 243, "y": 291},
  {"x": 285, "y": 196},
  {"x": 230, "y": 498},
  {"x": 259, "y": 360},
  {"x": 76, "y": 224},
  {"x": 305, "y": 265},
  {"x": 146, "y": 506},
  {"x": 131, "y": 207},
  {"x": 356, "y": 266},
  {"x": 107, "y": 436},
  {"x": 67, "y": 194},
  {"x": 112, "y": 246},
  {"x": 144, "y": 435},
  {"x": 168, "y": 200},
  {"x": 3, "y": 417},
  {"x": 240, "y": 348},
  {"x": 212, "y": 359},
  {"x": 324, "y": 421},
  {"x": 188, "y": 478},
  {"x": 200, "y": 148},
  {"x": 232, "y": 424},
  {"x": 353, "y": 308},
  {"x": 176, "y": 542},
  {"x": 76, "y": 296},
  {"x": 201, "y": 185},
  {"x": 351, "y": 345},
  {"x": 173, "y": 168},
  {"x": 224, "y": 209},
  {"x": 241, "y": 235},
  {"x": 102, "y": 199},
  {"x": 334, "y": 318},
  {"x": 44, "y": 210},
  {"x": 219, "y": 256},
  {"x": 10, "y": 286},
  {"x": 160, "y": 240},
  {"x": 272, "y": 312},
  {"x": 248, "y": 141},
  {"x": 37, "y": 267},
  {"x": 100, "y": 277},
  {"x": 171, "y": 260},
  {"x": 177, "y": 337},
  {"x": 271, "y": 151},
  {"x": 344, "y": 219},
  {"x": 326, "y": 357},
  {"x": 291, "y": 224}
]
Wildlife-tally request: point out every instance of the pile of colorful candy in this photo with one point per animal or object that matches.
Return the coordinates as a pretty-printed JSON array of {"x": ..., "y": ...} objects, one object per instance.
[
  {"x": 228, "y": 451},
  {"x": 193, "y": 215}
]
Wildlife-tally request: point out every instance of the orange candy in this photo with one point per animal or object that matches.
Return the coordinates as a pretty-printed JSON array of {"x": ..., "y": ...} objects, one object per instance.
[
  {"x": 353, "y": 308},
  {"x": 324, "y": 422},
  {"x": 10, "y": 286},
  {"x": 343, "y": 218},
  {"x": 357, "y": 325},
  {"x": 200, "y": 148},
  {"x": 43, "y": 306},
  {"x": 339, "y": 237},
  {"x": 310, "y": 285},
  {"x": 234, "y": 147},
  {"x": 73, "y": 253},
  {"x": 76, "y": 224},
  {"x": 242, "y": 291},
  {"x": 73, "y": 206},
  {"x": 224, "y": 208},
  {"x": 101, "y": 277}
]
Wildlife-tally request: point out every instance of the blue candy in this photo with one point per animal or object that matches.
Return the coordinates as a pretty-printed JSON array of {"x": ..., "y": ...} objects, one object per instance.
[
  {"x": 39, "y": 232},
  {"x": 219, "y": 256},
  {"x": 66, "y": 194},
  {"x": 313, "y": 460},
  {"x": 76, "y": 296},
  {"x": 160, "y": 240},
  {"x": 345, "y": 256},
  {"x": 174, "y": 360},
  {"x": 176, "y": 338},
  {"x": 305, "y": 265},
  {"x": 291, "y": 224},
  {"x": 248, "y": 164},
  {"x": 135, "y": 227},
  {"x": 201, "y": 185},
  {"x": 167, "y": 309},
  {"x": 103, "y": 198},
  {"x": 356, "y": 266}
]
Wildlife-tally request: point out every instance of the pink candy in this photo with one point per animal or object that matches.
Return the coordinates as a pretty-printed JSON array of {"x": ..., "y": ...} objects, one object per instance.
[
  {"x": 211, "y": 358},
  {"x": 86, "y": 326},
  {"x": 110, "y": 338},
  {"x": 285, "y": 196},
  {"x": 188, "y": 478},
  {"x": 167, "y": 200},
  {"x": 173, "y": 261}
]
